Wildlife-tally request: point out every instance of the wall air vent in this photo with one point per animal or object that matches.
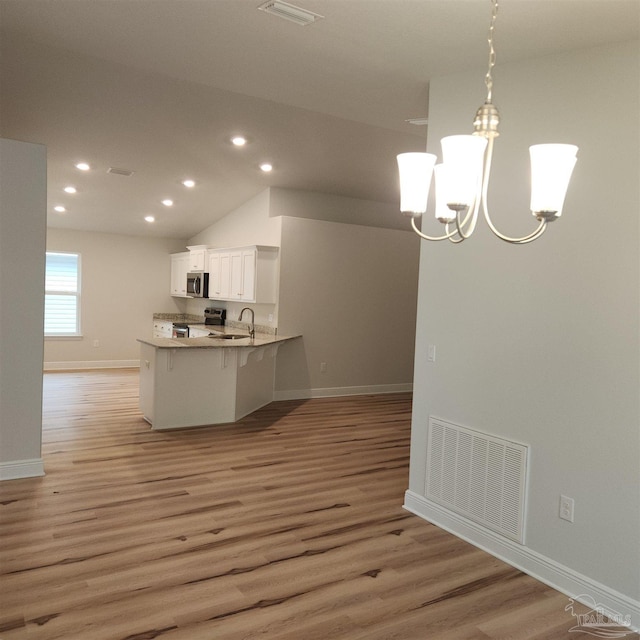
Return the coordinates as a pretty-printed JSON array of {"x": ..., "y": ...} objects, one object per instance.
[
  {"x": 120, "y": 172},
  {"x": 290, "y": 12},
  {"x": 479, "y": 476}
]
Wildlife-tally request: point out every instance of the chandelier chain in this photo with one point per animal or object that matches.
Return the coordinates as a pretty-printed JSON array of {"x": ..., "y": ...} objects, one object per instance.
[{"x": 488, "y": 80}]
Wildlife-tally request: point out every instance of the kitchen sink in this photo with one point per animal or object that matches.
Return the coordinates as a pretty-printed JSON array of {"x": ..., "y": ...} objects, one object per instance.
[{"x": 227, "y": 336}]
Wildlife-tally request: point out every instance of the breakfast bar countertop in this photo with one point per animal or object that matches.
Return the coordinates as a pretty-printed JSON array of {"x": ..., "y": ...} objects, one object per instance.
[{"x": 260, "y": 340}]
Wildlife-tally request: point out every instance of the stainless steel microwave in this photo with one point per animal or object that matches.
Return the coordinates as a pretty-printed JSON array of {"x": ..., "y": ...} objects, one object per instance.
[{"x": 198, "y": 284}]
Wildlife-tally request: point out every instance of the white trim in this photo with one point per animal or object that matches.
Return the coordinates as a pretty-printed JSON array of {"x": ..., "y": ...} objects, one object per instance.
[
  {"x": 91, "y": 364},
  {"x": 332, "y": 392},
  {"x": 16, "y": 469},
  {"x": 542, "y": 568}
]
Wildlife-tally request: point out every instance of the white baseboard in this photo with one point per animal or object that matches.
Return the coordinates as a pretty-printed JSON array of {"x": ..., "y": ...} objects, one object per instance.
[
  {"x": 332, "y": 392},
  {"x": 562, "y": 578},
  {"x": 21, "y": 469},
  {"x": 91, "y": 364}
]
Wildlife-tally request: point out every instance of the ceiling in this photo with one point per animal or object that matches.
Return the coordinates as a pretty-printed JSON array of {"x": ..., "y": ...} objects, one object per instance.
[{"x": 158, "y": 87}]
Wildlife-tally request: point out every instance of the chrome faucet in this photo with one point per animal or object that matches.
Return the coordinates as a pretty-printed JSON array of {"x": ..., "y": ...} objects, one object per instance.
[{"x": 252, "y": 326}]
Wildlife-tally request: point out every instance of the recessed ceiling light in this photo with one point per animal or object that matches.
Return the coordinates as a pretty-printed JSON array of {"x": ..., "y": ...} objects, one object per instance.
[
  {"x": 266, "y": 167},
  {"x": 70, "y": 189},
  {"x": 83, "y": 166},
  {"x": 149, "y": 219},
  {"x": 239, "y": 141},
  {"x": 189, "y": 183},
  {"x": 167, "y": 203},
  {"x": 59, "y": 208}
]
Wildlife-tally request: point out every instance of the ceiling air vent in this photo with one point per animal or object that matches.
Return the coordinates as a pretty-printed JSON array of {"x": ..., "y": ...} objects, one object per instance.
[
  {"x": 120, "y": 172},
  {"x": 418, "y": 121},
  {"x": 289, "y": 12}
]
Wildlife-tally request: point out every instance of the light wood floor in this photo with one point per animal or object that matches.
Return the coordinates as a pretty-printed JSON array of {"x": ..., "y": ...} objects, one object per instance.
[{"x": 288, "y": 526}]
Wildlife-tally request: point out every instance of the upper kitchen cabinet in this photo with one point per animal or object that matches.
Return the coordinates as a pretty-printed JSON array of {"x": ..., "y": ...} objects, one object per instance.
[
  {"x": 198, "y": 258},
  {"x": 219, "y": 275},
  {"x": 246, "y": 274},
  {"x": 179, "y": 268}
]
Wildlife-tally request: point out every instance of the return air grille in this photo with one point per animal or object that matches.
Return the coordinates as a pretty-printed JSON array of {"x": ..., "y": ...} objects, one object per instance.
[
  {"x": 120, "y": 172},
  {"x": 478, "y": 476}
]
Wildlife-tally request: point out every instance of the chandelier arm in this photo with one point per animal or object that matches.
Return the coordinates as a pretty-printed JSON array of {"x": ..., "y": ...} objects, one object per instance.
[
  {"x": 459, "y": 227},
  {"x": 524, "y": 239},
  {"x": 447, "y": 236},
  {"x": 534, "y": 235},
  {"x": 457, "y": 240},
  {"x": 471, "y": 211}
]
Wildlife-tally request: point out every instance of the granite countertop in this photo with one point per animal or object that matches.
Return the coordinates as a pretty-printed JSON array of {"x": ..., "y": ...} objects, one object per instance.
[
  {"x": 197, "y": 322},
  {"x": 260, "y": 340},
  {"x": 178, "y": 317}
]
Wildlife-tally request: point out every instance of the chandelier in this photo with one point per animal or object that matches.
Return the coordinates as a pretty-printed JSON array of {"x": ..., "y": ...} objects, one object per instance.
[{"x": 462, "y": 179}]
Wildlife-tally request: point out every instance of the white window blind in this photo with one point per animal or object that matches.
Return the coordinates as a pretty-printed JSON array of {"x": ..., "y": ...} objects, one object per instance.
[{"x": 62, "y": 295}]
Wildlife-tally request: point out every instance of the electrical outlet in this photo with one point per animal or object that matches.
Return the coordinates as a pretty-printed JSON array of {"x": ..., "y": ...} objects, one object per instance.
[
  {"x": 431, "y": 353},
  {"x": 96, "y": 343},
  {"x": 323, "y": 367},
  {"x": 566, "y": 508},
  {"x": 271, "y": 317}
]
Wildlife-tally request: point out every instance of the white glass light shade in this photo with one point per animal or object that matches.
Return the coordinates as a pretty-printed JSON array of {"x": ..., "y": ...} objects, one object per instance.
[
  {"x": 551, "y": 168},
  {"x": 464, "y": 158},
  {"x": 443, "y": 189},
  {"x": 415, "y": 181}
]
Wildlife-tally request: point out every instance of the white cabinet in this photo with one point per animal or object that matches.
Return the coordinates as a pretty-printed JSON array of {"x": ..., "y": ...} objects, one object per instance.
[
  {"x": 247, "y": 274},
  {"x": 198, "y": 258},
  {"x": 162, "y": 329},
  {"x": 213, "y": 264},
  {"x": 236, "y": 288},
  {"x": 225, "y": 276},
  {"x": 249, "y": 291},
  {"x": 179, "y": 269},
  {"x": 219, "y": 274}
]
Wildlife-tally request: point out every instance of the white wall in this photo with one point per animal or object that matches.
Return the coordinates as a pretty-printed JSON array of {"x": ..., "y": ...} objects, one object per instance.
[
  {"x": 23, "y": 202},
  {"x": 332, "y": 208},
  {"x": 125, "y": 280},
  {"x": 351, "y": 291},
  {"x": 249, "y": 224},
  {"x": 540, "y": 343}
]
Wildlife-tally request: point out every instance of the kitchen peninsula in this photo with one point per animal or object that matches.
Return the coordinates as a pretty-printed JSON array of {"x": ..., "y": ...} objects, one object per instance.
[{"x": 189, "y": 382}]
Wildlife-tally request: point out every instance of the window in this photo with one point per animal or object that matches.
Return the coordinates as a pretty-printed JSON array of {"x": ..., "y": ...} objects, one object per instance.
[{"x": 62, "y": 295}]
